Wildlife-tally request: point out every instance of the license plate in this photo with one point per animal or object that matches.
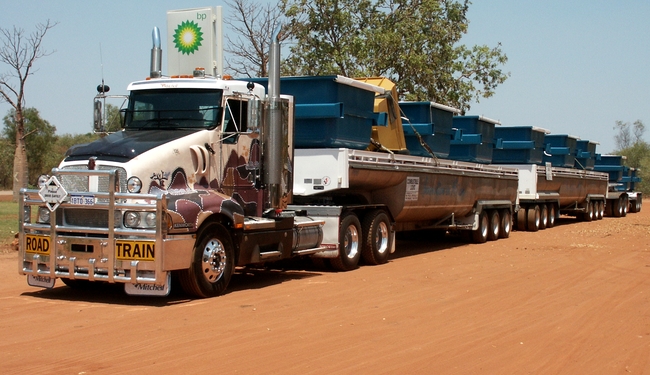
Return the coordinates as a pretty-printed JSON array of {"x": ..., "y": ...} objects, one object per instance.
[
  {"x": 135, "y": 250},
  {"x": 37, "y": 244},
  {"x": 82, "y": 200},
  {"x": 150, "y": 289},
  {"x": 42, "y": 281}
]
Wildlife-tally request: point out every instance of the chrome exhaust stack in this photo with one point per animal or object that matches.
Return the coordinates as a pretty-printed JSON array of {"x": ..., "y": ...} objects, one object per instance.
[{"x": 156, "y": 55}]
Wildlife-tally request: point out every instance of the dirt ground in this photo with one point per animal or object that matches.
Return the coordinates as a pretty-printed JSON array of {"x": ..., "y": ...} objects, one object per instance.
[{"x": 574, "y": 299}]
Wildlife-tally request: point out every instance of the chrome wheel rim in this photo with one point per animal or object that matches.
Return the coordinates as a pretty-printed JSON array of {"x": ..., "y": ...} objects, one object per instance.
[{"x": 213, "y": 260}]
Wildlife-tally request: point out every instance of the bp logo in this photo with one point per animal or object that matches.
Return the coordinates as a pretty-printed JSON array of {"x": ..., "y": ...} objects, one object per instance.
[{"x": 188, "y": 37}]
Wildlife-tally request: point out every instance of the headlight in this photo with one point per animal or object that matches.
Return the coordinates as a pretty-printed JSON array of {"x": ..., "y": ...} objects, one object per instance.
[
  {"x": 150, "y": 219},
  {"x": 133, "y": 184},
  {"x": 132, "y": 219},
  {"x": 43, "y": 215},
  {"x": 139, "y": 219}
]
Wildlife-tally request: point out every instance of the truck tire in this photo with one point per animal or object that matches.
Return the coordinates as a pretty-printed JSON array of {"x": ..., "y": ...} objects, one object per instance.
[
  {"x": 494, "y": 225},
  {"x": 609, "y": 207},
  {"x": 213, "y": 263},
  {"x": 588, "y": 215},
  {"x": 521, "y": 218},
  {"x": 551, "y": 215},
  {"x": 349, "y": 244},
  {"x": 617, "y": 208},
  {"x": 625, "y": 204},
  {"x": 543, "y": 216},
  {"x": 506, "y": 224},
  {"x": 601, "y": 210},
  {"x": 377, "y": 240},
  {"x": 480, "y": 235},
  {"x": 633, "y": 207},
  {"x": 532, "y": 218}
]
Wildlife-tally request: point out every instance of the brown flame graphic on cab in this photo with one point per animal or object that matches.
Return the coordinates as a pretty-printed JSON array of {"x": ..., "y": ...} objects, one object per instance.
[{"x": 190, "y": 206}]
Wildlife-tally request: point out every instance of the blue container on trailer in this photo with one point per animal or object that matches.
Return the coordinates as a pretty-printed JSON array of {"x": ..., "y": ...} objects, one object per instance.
[
  {"x": 433, "y": 122},
  {"x": 611, "y": 164},
  {"x": 328, "y": 114},
  {"x": 474, "y": 142},
  {"x": 561, "y": 149},
  {"x": 585, "y": 157},
  {"x": 518, "y": 145}
]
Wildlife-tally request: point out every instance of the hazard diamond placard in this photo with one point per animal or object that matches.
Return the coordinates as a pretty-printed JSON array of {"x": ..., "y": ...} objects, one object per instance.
[{"x": 52, "y": 193}]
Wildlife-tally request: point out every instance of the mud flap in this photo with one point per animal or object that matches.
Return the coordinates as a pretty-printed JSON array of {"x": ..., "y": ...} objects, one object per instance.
[
  {"x": 42, "y": 281},
  {"x": 150, "y": 289}
]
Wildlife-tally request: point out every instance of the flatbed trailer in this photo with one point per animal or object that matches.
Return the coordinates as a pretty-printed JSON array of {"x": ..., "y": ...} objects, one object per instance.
[
  {"x": 406, "y": 192},
  {"x": 546, "y": 192}
]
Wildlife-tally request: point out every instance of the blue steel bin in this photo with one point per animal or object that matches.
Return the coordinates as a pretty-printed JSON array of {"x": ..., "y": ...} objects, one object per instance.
[
  {"x": 561, "y": 150},
  {"x": 518, "y": 145},
  {"x": 475, "y": 141},
  {"x": 438, "y": 142},
  {"x": 585, "y": 157},
  {"x": 612, "y": 165},
  {"x": 433, "y": 122},
  {"x": 328, "y": 114}
]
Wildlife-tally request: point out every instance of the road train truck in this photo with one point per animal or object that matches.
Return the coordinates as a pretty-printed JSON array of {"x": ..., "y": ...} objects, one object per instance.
[{"x": 204, "y": 178}]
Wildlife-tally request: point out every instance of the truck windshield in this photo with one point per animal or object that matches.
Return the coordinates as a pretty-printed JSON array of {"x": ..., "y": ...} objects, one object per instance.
[{"x": 173, "y": 109}]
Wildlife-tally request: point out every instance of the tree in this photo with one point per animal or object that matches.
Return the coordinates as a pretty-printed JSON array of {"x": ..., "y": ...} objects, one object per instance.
[
  {"x": 628, "y": 134},
  {"x": 412, "y": 42},
  {"x": 253, "y": 26},
  {"x": 630, "y": 143},
  {"x": 20, "y": 52},
  {"x": 39, "y": 140}
]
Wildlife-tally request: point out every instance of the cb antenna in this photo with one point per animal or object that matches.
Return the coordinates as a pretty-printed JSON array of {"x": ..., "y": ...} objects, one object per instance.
[{"x": 102, "y": 89}]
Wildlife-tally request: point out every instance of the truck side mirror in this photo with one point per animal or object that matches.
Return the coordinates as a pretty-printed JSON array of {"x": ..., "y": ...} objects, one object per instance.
[
  {"x": 98, "y": 118},
  {"x": 254, "y": 114}
]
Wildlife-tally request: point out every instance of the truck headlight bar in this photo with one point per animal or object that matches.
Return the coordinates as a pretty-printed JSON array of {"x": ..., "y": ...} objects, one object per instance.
[{"x": 137, "y": 219}]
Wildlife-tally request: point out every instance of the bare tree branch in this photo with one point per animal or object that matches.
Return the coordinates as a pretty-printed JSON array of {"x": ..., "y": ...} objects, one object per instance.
[{"x": 252, "y": 25}]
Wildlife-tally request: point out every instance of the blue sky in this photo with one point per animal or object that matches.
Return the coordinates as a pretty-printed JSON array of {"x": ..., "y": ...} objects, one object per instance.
[{"x": 576, "y": 66}]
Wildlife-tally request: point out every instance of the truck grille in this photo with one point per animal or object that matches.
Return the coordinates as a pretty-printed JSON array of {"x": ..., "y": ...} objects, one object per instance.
[
  {"x": 83, "y": 217},
  {"x": 74, "y": 183}
]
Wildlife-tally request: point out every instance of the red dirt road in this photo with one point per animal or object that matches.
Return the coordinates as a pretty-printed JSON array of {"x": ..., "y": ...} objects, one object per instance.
[{"x": 574, "y": 299}]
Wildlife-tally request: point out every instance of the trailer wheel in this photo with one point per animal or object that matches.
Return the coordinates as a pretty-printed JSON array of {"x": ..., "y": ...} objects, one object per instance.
[
  {"x": 633, "y": 207},
  {"x": 506, "y": 224},
  {"x": 617, "y": 207},
  {"x": 625, "y": 204},
  {"x": 543, "y": 216},
  {"x": 588, "y": 215},
  {"x": 533, "y": 218},
  {"x": 212, "y": 265},
  {"x": 601, "y": 210},
  {"x": 480, "y": 235},
  {"x": 377, "y": 237},
  {"x": 349, "y": 244},
  {"x": 494, "y": 225},
  {"x": 551, "y": 215},
  {"x": 521, "y": 219}
]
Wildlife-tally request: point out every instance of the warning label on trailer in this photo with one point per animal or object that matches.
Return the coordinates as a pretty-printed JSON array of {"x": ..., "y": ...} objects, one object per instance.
[{"x": 412, "y": 188}]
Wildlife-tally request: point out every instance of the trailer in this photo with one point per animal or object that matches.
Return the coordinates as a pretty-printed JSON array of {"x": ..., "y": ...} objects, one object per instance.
[
  {"x": 553, "y": 179},
  {"x": 622, "y": 196}
]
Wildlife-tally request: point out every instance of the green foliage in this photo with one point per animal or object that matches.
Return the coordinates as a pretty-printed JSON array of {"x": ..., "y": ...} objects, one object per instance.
[
  {"x": 39, "y": 139},
  {"x": 413, "y": 43},
  {"x": 45, "y": 150},
  {"x": 8, "y": 221}
]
